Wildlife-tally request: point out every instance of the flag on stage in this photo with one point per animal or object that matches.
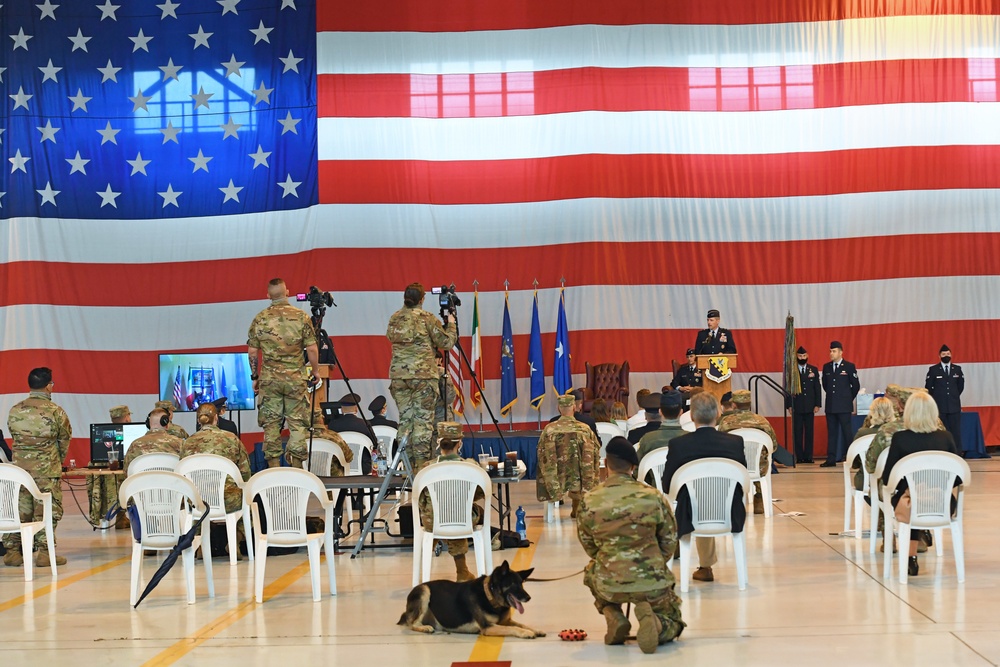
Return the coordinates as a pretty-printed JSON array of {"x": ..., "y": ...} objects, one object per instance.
[
  {"x": 508, "y": 375},
  {"x": 536, "y": 366},
  {"x": 562, "y": 378},
  {"x": 178, "y": 391},
  {"x": 477, "y": 353},
  {"x": 455, "y": 373},
  {"x": 222, "y": 389}
]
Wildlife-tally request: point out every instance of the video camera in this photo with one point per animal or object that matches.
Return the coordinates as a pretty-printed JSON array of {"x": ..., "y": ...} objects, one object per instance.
[
  {"x": 319, "y": 301},
  {"x": 447, "y": 299}
]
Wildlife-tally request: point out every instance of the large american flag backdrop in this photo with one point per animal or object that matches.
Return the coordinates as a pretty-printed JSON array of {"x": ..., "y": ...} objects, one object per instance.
[{"x": 836, "y": 160}]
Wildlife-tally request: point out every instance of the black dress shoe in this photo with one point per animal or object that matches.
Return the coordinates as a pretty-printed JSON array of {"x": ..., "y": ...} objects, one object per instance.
[
  {"x": 913, "y": 567},
  {"x": 827, "y": 464}
]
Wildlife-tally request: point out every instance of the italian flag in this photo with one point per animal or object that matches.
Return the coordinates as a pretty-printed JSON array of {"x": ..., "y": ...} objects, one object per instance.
[{"x": 477, "y": 353}]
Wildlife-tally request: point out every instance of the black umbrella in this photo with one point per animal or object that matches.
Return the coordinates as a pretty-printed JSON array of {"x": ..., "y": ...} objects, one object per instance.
[{"x": 185, "y": 542}]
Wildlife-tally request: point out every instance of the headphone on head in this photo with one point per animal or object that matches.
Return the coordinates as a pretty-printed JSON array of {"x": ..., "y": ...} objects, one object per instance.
[{"x": 164, "y": 419}]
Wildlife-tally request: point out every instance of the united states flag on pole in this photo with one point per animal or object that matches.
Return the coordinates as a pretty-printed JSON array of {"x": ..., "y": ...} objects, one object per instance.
[
  {"x": 837, "y": 160},
  {"x": 455, "y": 373}
]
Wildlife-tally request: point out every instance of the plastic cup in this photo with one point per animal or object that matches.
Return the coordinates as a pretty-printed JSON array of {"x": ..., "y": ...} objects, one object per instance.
[{"x": 484, "y": 461}]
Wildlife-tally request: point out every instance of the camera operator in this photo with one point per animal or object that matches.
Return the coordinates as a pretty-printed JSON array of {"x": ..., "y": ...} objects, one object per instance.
[
  {"x": 413, "y": 374},
  {"x": 277, "y": 337}
]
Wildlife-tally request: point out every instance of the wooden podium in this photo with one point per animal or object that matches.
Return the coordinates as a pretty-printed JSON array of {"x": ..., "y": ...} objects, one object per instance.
[{"x": 717, "y": 389}]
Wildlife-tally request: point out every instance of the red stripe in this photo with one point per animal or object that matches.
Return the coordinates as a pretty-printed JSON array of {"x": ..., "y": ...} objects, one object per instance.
[
  {"x": 654, "y": 263},
  {"x": 670, "y": 89},
  {"x": 647, "y": 351},
  {"x": 639, "y": 176},
  {"x": 461, "y": 15}
]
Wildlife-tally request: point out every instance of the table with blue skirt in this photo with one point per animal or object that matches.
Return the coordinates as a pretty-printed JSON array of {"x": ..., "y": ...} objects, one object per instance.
[
  {"x": 973, "y": 443},
  {"x": 525, "y": 443}
]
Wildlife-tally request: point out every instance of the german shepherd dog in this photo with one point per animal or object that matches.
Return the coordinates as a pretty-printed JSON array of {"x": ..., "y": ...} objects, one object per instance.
[{"x": 481, "y": 606}]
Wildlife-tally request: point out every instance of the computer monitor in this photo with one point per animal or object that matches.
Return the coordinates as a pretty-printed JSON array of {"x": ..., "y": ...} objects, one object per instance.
[
  {"x": 104, "y": 437},
  {"x": 190, "y": 380}
]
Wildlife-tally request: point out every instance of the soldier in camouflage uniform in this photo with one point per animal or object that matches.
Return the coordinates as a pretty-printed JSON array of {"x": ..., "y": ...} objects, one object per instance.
[
  {"x": 157, "y": 439},
  {"x": 568, "y": 457},
  {"x": 213, "y": 440},
  {"x": 320, "y": 432},
  {"x": 450, "y": 434},
  {"x": 740, "y": 416},
  {"x": 40, "y": 431},
  {"x": 629, "y": 532},
  {"x": 280, "y": 333},
  {"x": 102, "y": 490},
  {"x": 413, "y": 374},
  {"x": 172, "y": 428}
]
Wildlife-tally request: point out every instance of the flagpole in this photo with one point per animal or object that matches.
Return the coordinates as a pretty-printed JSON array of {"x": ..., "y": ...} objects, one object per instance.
[
  {"x": 479, "y": 406},
  {"x": 510, "y": 413},
  {"x": 539, "y": 410}
]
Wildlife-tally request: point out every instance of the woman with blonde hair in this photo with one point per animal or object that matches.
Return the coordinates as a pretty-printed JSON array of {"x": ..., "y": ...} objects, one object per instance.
[
  {"x": 881, "y": 412},
  {"x": 921, "y": 432}
]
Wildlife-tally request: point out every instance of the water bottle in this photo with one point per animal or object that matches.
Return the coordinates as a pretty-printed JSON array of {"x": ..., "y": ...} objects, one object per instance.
[
  {"x": 375, "y": 462},
  {"x": 521, "y": 529}
]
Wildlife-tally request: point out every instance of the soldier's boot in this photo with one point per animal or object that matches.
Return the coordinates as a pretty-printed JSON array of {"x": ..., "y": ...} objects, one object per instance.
[
  {"x": 648, "y": 635},
  {"x": 122, "y": 523},
  {"x": 13, "y": 558},
  {"x": 618, "y": 625},
  {"x": 274, "y": 463},
  {"x": 42, "y": 558},
  {"x": 576, "y": 506},
  {"x": 671, "y": 630},
  {"x": 462, "y": 572},
  {"x": 758, "y": 503}
]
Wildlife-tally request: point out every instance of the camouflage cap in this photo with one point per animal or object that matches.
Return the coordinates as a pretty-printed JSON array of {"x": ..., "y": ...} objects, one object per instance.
[
  {"x": 741, "y": 396},
  {"x": 166, "y": 405},
  {"x": 567, "y": 400},
  {"x": 119, "y": 411},
  {"x": 452, "y": 430},
  {"x": 902, "y": 394}
]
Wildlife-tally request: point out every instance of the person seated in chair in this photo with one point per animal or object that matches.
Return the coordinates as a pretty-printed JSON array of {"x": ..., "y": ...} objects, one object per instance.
[
  {"x": 377, "y": 408},
  {"x": 704, "y": 442},
  {"x": 599, "y": 411},
  {"x": 651, "y": 404},
  {"x": 639, "y": 418},
  {"x": 739, "y": 415},
  {"x": 671, "y": 404},
  {"x": 568, "y": 457},
  {"x": 157, "y": 439},
  {"x": 450, "y": 442},
  {"x": 348, "y": 420}
]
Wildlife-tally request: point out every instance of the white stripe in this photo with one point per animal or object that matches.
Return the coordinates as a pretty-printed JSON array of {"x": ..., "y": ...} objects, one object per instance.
[
  {"x": 590, "y": 307},
  {"x": 659, "y": 133},
  {"x": 813, "y": 43},
  {"x": 507, "y": 225}
]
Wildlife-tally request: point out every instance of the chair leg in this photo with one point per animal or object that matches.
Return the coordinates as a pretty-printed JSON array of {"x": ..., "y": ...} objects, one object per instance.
[
  {"x": 313, "y": 547},
  {"x": 234, "y": 547},
  {"x": 426, "y": 557},
  {"x": 418, "y": 550},
  {"x": 858, "y": 501},
  {"x": 765, "y": 489},
  {"x": 206, "y": 552},
  {"x": 331, "y": 566},
  {"x": 740, "y": 552},
  {"x": 958, "y": 543},
  {"x": 685, "y": 571},
  {"x": 888, "y": 528},
  {"x": 247, "y": 533},
  {"x": 873, "y": 518},
  {"x": 480, "y": 548},
  {"x": 188, "y": 557},
  {"x": 848, "y": 496},
  {"x": 904, "y": 550},
  {"x": 135, "y": 577},
  {"x": 27, "y": 539},
  {"x": 939, "y": 541},
  {"x": 258, "y": 570}
]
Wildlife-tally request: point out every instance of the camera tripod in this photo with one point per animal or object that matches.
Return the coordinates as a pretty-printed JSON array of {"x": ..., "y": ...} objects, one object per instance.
[{"x": 401, "y": 458}]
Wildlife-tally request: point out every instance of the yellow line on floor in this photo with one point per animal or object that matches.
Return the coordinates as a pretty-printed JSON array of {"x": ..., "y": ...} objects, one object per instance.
[
  {"x": 487, "y": 649},
  {"x": 172, "y": 654},
  {"x": 59, "y": 583}
]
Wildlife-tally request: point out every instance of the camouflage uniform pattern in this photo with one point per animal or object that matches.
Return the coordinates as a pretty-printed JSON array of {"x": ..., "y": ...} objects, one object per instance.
[
  {"x": 568, "y": 460},
  {"x": 213, "y": 440},
  {"x": 102, "y": 493},
  {"x": 295, "y": 459},
  {"x": 444, "y": 412},
  {"x": 629, "y": 533},
  {"x": 154, "y": 442},
  {"x": 414, "y": 374},
  {"x": 426, "y": 509},
  {"x": 661, "y": 437},
  {"x": 282, "y": 332},
  {"x": 41, "y": 432},
  {"x": 746, "y": 419},
  {"x": 177, "y": 431}
]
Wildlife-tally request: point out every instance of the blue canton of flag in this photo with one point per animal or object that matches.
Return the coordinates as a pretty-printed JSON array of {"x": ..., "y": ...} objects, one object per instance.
[
  {"x": 562, "y": 379},
  {"x": 143, "y": 110},
  {"x": 535, "y": 364},
  {"x": 508, "y": 376}
]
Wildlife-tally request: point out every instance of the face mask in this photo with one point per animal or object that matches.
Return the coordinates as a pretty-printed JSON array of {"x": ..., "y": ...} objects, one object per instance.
[{"x": 946, "y": 360}]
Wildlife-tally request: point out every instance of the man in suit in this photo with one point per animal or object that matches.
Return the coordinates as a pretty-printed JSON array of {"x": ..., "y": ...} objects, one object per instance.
[
  {"x": 840, "y": 382},
  {"x": 377, "y": 408},
  {"x": 704, "y": 442},
  {"x": 945, "y": 383},
  {"x": 578, "y": 413},
  {"x": 804, "y": 406},
  {"x": 650, "y": 403},
  {"x": 714, "y": 339}
]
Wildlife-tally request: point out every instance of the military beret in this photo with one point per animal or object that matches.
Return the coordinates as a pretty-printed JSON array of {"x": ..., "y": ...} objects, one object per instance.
[
  {"x": 651, "y": 403},
  {"x": 452, "y": 430},
  {"x": 727, "y": 397},
  {"x": 567, "y": 400},
  {"x": 377, "y": 404},
  {"x": 944, "y": 348},
  {"x": 220, "y": 403},
  {"x": 620, "y": 448},
  {"x": 836, "y": 344},
  {"x": 713, "y": 313},
  {"x": 671, "y": 399},
  {"x": 350, "y": 399},
  {"x": 801, "y": 350},
  {"x": 741, "y": 396},
  {"x": 690, "y": 351},
  {"x": 119, "y": 411},
  {"x": 577, "y": 394},
  {"x": 165, "y": 405}
]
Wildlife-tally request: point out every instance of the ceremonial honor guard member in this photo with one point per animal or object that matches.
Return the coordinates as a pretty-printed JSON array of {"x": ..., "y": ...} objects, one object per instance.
[
  {"x": 840, "y": 381},
  {"x": 714, "y": 339},
  {"x": 945, "y": 383},
  {"x": 804, "y": 406}
]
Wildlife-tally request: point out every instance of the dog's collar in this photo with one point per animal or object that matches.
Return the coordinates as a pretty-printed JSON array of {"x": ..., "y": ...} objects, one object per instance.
[{"x": 489, "y": 594}]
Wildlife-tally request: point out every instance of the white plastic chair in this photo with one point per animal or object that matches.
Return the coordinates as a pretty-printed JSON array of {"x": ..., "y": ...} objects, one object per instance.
[
  {"x": 386, "y": 435},
  {"x": 12, "y": 478},
  {"x": 711, "y": 484},
  {"x": 162, "y": 500},
  {"x": 552, "y": 511},
  {"x": 686, "y": 423},
  {"x": 930, "y": 477},
  {"x": 451, "y": 486},
  {"x": 853, "y": 496},
  {"x": 323, "y": 451},
  {"x": 157, "y": 461},
  {"x": 623, "y": 425},
  {"x": 753, "y": 441},
  {"x": 3, "y": 456},
  {"x": 209, "y": 473},
  {"x": 654, "y": 461},
  {"x": 876, "y": 498},
  {"x": 284, "y": 493},
  {"x": 606, "y": 431}
]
